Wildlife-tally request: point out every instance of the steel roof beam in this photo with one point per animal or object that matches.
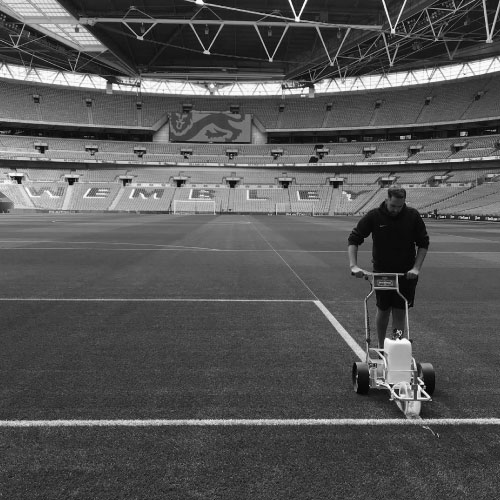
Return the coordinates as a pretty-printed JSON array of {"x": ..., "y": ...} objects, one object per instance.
[
  {"x": 297, "y": 16},
  {"x": 92, "y": 21},
  {"x": 206, "y": 50},
  {"x": 490, "y": 31},
  {"x": 334, "y": 60},
  {"x": 266, "y": 15},
  {"x": 393, "y": 27},
  {"x": 270, "y": 57}
]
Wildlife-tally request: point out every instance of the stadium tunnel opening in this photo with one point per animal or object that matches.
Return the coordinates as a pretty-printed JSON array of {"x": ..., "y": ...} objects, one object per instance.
[
  {"x": 336, "y": 182},
  {"x": 6, "y": 204},
  {"x": 180, "y": 181},
  {"x": 233, "y": 180}
]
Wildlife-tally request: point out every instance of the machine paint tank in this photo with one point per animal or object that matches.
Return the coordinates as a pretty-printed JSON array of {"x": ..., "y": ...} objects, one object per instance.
[{"x": 399, "y": 357}]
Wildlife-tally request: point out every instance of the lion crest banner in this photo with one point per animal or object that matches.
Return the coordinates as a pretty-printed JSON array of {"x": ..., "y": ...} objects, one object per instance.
[{"x": 197, "y": 126}]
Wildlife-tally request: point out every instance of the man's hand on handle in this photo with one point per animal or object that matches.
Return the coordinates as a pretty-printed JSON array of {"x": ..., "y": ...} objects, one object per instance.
[
  {"x": 412, "y": 274},
  {"x": 358, "y": 272}
]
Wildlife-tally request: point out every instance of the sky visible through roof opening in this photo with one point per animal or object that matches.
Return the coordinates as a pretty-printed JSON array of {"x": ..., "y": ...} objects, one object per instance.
[{"x": 58, "y": 21}]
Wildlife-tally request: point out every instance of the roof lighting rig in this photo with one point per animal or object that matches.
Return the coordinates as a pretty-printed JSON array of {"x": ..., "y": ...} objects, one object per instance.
[{"x": 284, "y": 40}]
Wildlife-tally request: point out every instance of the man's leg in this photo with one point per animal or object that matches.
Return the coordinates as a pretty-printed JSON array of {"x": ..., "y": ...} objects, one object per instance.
[
  {"x": 382, "y": 320},
  {"x": 407, "y": 288},
  {"x": 398, "y": 319}
]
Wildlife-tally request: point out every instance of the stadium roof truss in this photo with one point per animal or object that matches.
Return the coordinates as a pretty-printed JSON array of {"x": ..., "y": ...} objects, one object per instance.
[{"x": 226, "y": 43}]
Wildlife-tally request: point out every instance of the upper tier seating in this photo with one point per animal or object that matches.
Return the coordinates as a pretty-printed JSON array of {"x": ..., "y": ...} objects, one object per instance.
[{"x": 464, "y": 99}]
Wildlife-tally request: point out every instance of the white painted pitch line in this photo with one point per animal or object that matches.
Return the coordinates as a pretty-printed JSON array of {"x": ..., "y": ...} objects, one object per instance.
[
  {"x": 142, "y": 247},
  {"x": 265, "y": 422},
  {"x": 172, "y": 249},
  {"x": 99, "y": 249},
  {"x": 97, "y": 299},
  {"x": 360, "y": 353}
]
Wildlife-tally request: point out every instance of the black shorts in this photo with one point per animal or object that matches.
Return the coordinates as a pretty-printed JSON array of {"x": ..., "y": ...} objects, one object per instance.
[{"x": 390, "y": 298}]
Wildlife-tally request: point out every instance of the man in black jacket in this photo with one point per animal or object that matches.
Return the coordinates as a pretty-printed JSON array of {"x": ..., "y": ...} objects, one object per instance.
[{"x": 396, "y": 230}]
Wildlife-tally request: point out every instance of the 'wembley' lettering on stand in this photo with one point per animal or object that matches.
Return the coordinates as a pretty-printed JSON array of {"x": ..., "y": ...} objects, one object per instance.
[
  {"x": 144, "y": 194},
  {"x": 303, "y": 194},
  {"x": 352, "y": 195},
  {"x": 97, "y": 193},
  {"x": 34, "y": 192}
]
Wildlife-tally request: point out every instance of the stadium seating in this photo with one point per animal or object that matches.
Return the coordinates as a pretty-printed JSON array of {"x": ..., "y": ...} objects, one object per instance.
[
  {"x": 258, "y": 200},
  {"x": 47, "y": 195},
  {"x": 488, "y": 209},
  {"x": 473, "y": 199},
  {"x": 144, "y": 199},
  {"x": 93, "y": 196},
  {"x": 459, "y": 191},
  {"x": 140, "y": 175},
  {"x": 422, "y": 198},
  {"x": 45, "y": 175},
  {"x": 357, "y": 200},
  {"x": 100, "y": 175},
  {"x": 219, "y": 195},
  {"x": 17, "y": 194},
  {"x": 249, "y": 154},
  {"x": 415, "y": 177},
  {"x": 464, "y": 99}
]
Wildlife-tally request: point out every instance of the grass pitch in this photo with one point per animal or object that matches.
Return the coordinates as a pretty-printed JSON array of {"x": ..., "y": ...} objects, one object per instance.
[{"x": 171, "y": 317}]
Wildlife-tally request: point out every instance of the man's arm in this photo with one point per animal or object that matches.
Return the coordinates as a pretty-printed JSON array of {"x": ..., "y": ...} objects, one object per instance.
[
  {"x": 419, "y": 260},
  {"x": 352, "y": 252},
  {"x": 422, "y": 242},
  {"x": 356, "y": 238}
]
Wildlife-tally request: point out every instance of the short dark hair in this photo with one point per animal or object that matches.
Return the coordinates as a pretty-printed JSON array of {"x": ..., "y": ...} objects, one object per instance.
[{"x": 396, "y": 192}]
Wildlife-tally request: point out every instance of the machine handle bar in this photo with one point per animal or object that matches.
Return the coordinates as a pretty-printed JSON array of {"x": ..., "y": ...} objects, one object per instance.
[{"x": 368, "y": 274}]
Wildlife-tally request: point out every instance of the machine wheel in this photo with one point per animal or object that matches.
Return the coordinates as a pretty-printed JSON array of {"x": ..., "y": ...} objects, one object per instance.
[
  {"x": 427, "y": 374},
  {"x": 360, "y": 378}
]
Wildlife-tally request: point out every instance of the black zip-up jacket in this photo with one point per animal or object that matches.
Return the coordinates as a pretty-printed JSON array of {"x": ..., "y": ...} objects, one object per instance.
[{"x": 394, "y": 238}]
